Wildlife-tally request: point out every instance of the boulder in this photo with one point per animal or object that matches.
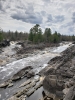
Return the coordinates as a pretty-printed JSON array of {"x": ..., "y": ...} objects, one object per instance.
[{"x": 54, "y": 86}]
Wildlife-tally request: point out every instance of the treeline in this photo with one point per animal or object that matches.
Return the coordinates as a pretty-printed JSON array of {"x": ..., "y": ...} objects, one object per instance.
[
  {"x": 13, "y": 36},
  {"x": 36, "y": 35}
]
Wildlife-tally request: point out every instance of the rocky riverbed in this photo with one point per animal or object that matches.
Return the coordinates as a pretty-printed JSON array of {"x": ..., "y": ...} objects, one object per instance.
[
  {"x": 59, "y": 82},
  {"x": 23, "y": 79}
]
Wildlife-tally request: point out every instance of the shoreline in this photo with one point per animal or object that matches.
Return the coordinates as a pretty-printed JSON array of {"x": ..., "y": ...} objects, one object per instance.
[{"x": 60, "y": 77}]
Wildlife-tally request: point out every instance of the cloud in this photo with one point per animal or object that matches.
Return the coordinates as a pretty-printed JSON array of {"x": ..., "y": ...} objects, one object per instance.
[
  {"x": 73, "y": 17},
  {"x": 29, "y": 18},
  {"x": 49, "y": 19},
  {"x": 21, "y": 15},
  {"x": 59, "y": 18},
  {"x": 28, "y": 15},
  {"x": 55, "y": 19},
  {"x": 0, "y": 6}
]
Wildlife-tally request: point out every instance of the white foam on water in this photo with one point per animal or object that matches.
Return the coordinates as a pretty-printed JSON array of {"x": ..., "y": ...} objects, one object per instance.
[
  {"x": 40, "y": 59},
  {"x": 61, "y": 48}
]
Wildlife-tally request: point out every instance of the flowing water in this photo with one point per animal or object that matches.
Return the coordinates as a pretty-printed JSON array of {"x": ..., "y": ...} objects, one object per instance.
[{"x": 37, "y": 61}]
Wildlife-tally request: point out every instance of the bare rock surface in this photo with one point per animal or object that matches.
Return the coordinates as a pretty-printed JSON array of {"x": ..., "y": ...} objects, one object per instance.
[{"x": 59, "y": 75}]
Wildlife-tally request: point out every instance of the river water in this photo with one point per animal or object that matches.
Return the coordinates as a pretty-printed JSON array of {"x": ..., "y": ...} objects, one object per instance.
[{"x": 37, "y": 61}]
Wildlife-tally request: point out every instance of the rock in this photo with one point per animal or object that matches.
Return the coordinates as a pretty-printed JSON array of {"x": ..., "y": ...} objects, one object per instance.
[
  {"x": 4, "y": 43},
  {"x": 58, "y": 80},
  {"x": 25, "y": 83},
  {"x": 20, "y": 93},
  {"x": 38, "y": 85},
  {"x": 69, "y": 84},
  {"x": 23, "y": 97},
  {"x": 21, "y": 73},
  {"x": 0, "y": 95},
  {"x": 4, "y": 85},
  {"x": 54, "y": 86},
  {"x": 30, "y": 74},
  {"x": 71, "y": 94},
  {"x": 30, "y": 85},
  {"x": 37, "y": 78},
  {"x": 13, "y": 98},
  {"x": 74, "y": 77},
  {"x": 15, "y": 78},
  {"x": 67, "y": 74},
  {"x": 10, "y": 85},
  {"x": 30, "y": 92}
]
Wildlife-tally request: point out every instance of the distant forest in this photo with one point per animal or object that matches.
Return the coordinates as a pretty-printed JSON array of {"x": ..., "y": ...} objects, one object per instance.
[{"x": 36, "y": 35}]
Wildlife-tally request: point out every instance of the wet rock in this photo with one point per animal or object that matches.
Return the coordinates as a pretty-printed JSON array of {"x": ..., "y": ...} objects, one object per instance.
[
  {"x": 23, "y": 97},
  {"x": 30, "y": 74},
  {"x": 4, "y": 85},
  {"x": 30, "y": 92},
  {"x": 21, "y": 73},
  {"x": 38, "y": 85},
  {"x": 13, "y": 98},
  {"x": 36, "y": 80},
  {"x": 31, "y": 85},
  {"x": 10, "y": 85},
  {"x": 25, "y": 83}
]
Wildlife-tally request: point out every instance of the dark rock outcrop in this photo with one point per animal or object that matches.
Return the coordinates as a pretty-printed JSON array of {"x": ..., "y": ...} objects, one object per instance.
[
  {"x": 4, "y": 43},
  {"x": 60, "y": 74}
]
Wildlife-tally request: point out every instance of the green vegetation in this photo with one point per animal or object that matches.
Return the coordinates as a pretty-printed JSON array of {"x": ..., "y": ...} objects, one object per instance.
[
  {"x": 36, "y": 35},
  {"x": 1, "y": 36}
]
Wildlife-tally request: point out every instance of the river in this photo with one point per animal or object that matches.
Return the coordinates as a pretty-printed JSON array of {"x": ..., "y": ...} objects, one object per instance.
[{"x": 37, "y": 61}]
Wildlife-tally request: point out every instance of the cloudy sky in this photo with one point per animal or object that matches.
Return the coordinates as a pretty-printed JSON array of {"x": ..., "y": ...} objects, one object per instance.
[{"x": 21, "y": 15}]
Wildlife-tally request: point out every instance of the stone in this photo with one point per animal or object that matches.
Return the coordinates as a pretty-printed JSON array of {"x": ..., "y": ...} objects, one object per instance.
[
  {"x": 30, "y": 92},
  {"x": 4, "y": 85},
  {"x": 10, "y": 85},
  {"x": 21, "y": 73},
  {"x": 70, "y": 95},
  {"x": 30, "y": 74},
  {"x": 25, "y": 83}
]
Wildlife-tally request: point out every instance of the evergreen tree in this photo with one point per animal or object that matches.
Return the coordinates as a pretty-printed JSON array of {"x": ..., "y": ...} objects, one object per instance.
[
  {"x": 47, "y": 34},
  {"x": 1, "y": 36},
  {"x": 31, "y": 35}
]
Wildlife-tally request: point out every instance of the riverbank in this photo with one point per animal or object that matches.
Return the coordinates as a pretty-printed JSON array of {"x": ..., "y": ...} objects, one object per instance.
[{"x": 59, "y": 82}]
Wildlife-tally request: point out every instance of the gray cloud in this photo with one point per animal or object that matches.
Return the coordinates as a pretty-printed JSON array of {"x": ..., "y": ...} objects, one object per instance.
[
  {"x": 73, "y": 17},
  {"x": 29, "y": 18},
  {"x": 57, "y": 14},
  {"x": 59, "y": 18},
  {"x": 46, "y": 1},
  {"x": 71, "y": 29},
  {"x": 43, "y": 13},
  {"x": 50, "y": 19},
  {"x": 0, "y": 6},
  {"x": 55, "y": 19}
]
